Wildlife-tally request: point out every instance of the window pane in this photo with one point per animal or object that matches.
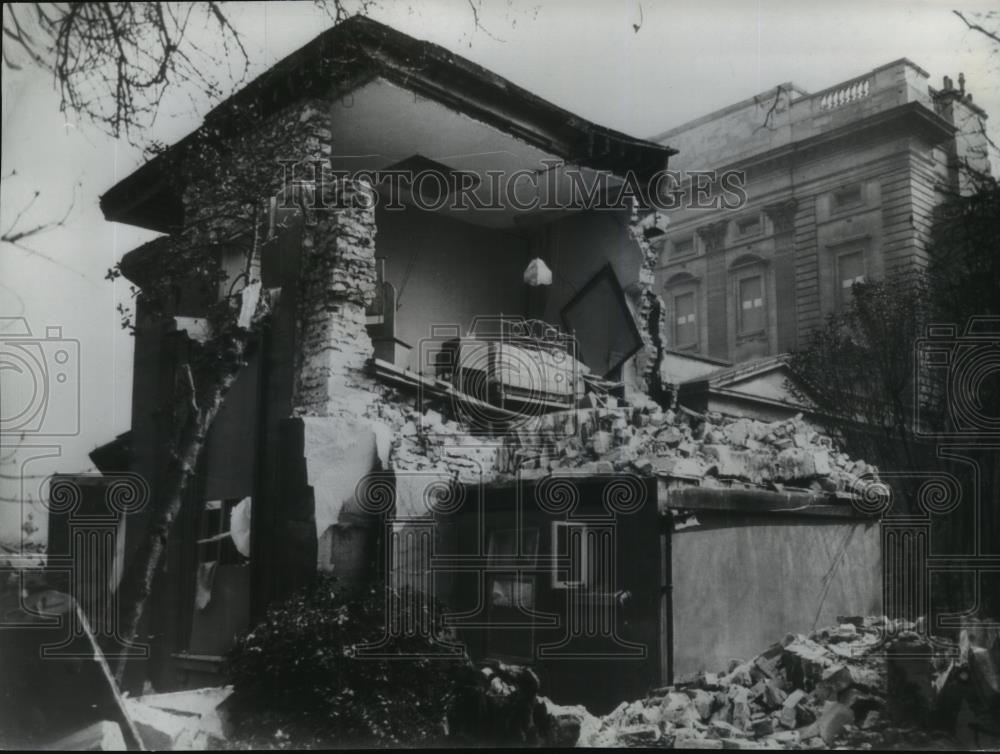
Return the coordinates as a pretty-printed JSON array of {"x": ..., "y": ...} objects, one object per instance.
[
  {"x": 513, "y": 593},
  {"x": 852, "y": 270},
  {"x": 685, "y": 327},
  {"x": 751, "y": 304}
]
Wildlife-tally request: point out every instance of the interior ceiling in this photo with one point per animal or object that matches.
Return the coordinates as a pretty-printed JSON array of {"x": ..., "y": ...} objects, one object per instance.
[{"x": 381, "y": 124}]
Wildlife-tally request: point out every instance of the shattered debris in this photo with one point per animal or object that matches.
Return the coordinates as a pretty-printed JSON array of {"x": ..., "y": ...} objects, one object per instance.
[
  {"x": 607, "y": 436},
  {"x": 831, "y": 690}
]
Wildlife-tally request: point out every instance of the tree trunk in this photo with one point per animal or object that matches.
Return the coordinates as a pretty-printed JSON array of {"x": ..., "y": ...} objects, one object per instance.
[{"x": 137, "y": 584}]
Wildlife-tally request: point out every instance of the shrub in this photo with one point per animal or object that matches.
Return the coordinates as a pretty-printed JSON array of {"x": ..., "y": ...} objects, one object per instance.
[{"x": 297, "y": 681}]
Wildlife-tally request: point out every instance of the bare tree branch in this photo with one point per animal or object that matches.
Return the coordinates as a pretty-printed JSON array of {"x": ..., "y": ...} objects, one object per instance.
[
  {"x": 16, "y": 236},
  {"x": 769, "y": 115},
  {"x": 976, "y": 27},
  {"x": 113, "y": 62}
]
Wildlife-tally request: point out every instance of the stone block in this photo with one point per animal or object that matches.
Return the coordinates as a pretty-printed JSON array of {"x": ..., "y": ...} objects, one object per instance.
[
  {"x": 679, "y": 709},
  {"x": 794, "y": 464},
  {"x": 790, "y": 708},
  {"x": 738, "y": 432},
  {"x": 731, "y": 463},
  {"x": 702, "y": 701},
  {"x": 639, "y": 735},
  {"x": 832, "y": 720}
]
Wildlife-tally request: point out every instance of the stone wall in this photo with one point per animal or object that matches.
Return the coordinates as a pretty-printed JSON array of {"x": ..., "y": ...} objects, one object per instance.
[
  {"x": 337, "y": 283},
  {"x": 286, "y": 158}
]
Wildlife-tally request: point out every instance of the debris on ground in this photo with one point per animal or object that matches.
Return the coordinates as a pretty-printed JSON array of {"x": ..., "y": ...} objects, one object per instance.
[
  {"x": 57, "y": 690},
  {"x": 867, "y": 683},
  {"x": 180, "y": 720}
]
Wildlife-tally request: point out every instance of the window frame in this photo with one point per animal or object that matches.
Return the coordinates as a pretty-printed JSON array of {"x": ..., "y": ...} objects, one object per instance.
[
  {"x": 742, "y": 278},
  {"x": 756, "y": 229},
  {"x": 554, "y": 569},
  {"x": 689, "y": 241},
  {"x": 856, "y": 190},
  {"x": 844, "y": 292},
  {"x": 674, "y": 296},
  {"x": 214, "y": 539}
]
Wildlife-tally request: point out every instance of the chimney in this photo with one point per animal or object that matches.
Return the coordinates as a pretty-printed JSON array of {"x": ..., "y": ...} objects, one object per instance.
[{"x": 961, "y": 83}]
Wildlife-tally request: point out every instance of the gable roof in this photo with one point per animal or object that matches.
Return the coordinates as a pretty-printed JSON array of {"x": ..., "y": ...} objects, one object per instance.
[
  {"x": 733, "y": 375},
  {"x": 356, "y": 51},
  {"x": 762, "y": 381}
]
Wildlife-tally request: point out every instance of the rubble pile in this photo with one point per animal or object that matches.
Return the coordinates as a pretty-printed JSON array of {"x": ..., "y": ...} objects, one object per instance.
[
  {"x": 846, "y": 686},
  {"x": 605, "y": 437}
]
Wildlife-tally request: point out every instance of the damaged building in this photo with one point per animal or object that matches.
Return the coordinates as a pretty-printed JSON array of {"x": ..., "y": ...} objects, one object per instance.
[{"x": 472, "y": 403}]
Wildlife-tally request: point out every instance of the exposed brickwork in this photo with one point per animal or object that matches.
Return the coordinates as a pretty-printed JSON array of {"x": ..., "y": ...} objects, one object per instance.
[
  {"x": 652, "y": 313},
  {"x": 337, "y": 283},
  {"x": 287, "y": 156}
]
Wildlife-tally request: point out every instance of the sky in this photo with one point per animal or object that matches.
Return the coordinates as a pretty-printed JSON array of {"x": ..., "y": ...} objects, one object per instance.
[{"x": 684, "y": 59}]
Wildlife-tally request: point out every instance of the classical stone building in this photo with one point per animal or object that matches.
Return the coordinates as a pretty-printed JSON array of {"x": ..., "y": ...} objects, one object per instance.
[{"x": 840, "y": 186}]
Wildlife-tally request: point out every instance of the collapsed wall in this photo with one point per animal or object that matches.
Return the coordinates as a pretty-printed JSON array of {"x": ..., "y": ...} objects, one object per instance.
[
  {"x": 651, "y": 315},
  {"x": 646, "y": 440}
]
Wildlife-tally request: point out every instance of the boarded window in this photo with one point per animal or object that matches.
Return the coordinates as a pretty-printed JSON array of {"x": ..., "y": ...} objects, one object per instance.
[
  {"x": 751, "y": 304},
  {"x": 685, "y": 326},
  {"x": 851, "y": 270}
]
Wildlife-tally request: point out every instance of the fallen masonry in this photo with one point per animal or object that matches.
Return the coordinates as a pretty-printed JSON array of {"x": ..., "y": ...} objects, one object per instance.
[
  {"x": 869, "y": 683},
  {"x": 610, "y": 436}
]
